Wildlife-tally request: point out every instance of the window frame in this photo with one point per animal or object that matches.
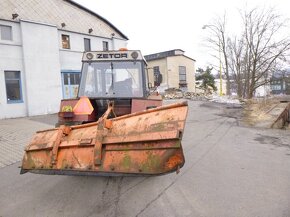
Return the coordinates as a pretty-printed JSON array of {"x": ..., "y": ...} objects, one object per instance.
[
  {"x": 68, "y": 41},
  {"x": 105, "y": 46},
  {"x": 89, "y": 44},
  {"x": 94, "y": 83},
  {"x": 181, "y": 73},
  {"x": 10, "y": 31},
  {"x": 20, "y": 87},
  {"x": 66, "y": 76}
]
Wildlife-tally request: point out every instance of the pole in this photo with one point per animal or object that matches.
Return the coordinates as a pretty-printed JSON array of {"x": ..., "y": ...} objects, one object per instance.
[{"x": 221, "y": 79}]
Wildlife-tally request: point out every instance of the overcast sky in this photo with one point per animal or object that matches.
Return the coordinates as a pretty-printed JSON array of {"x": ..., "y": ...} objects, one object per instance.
[{"x": 154, "y": 26}]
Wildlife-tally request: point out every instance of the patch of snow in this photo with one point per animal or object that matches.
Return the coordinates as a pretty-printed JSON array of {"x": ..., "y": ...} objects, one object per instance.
[{"x": 226, "y": 100}]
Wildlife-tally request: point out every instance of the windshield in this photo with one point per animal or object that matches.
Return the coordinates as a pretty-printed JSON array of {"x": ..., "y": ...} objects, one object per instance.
[{"x": 112, "y": 80}]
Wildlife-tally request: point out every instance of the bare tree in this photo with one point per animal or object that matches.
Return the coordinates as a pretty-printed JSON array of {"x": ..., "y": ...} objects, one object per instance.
[
  {"x": 218, "y": 41},
  {"x": 235, "y": 51},
  {"x": 251, "y": 57},
  {"x": 265, "y": 48}
]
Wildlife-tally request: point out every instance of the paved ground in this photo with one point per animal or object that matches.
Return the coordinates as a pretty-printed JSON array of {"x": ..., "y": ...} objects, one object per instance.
[
  {"x": 230, "y": 171},
  {"x": 15, "y": 134}
]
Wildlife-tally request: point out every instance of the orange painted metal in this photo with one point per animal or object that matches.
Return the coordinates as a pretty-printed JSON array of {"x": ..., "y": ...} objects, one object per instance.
[
  {"x": 141, "y": 143},
  {"x": 83, "y": 106},
  {"x": 143, "y": 104},
  {"x": 65, "y": 116}
]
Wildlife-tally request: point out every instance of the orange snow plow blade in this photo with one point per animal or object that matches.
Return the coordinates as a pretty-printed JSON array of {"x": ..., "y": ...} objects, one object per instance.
[{"x": 142, "y": 143}]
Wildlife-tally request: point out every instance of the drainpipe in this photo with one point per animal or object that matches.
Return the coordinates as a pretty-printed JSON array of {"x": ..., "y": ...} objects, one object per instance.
[
  {"x": 167, "y": 72},
  {"x": 23, "y": 76},
  {"x": 113, "y": 41}
]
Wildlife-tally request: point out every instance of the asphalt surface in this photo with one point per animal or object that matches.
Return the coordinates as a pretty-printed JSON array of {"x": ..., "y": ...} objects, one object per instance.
[{"x": 230, "y": 171}]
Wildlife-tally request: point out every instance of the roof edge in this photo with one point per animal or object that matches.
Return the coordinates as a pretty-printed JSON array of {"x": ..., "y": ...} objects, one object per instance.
[
  {"x": 160, "y": 55},
  {"x": 164, "y": 52},
  {"x": 97, "y": 15}
]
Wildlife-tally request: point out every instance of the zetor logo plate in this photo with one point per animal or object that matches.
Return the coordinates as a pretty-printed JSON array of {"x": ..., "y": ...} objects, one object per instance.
[{"x": 111, "y": 55}]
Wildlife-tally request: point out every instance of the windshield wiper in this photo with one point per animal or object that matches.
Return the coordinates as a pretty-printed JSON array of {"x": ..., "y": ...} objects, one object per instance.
[{"x": 111, "y": 88}]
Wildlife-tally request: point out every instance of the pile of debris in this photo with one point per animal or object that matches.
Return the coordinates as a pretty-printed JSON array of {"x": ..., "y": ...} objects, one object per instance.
[{"x": 175, "y": 93}]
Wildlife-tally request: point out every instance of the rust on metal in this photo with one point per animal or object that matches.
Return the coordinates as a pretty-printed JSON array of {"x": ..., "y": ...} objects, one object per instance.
[
  {"x": 62, "y": 131},
  {"x": 142, "y": 143},
  {"x": 98, "y": 153},
  {"x": 143, "y": 104}
]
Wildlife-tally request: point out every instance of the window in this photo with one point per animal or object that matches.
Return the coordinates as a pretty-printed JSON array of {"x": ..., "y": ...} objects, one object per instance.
[
  {"x": 75, "y": 78},
  {"x": 182, "y": 76},
  {"x": 157, "y": 76},
  {"x": 70, "y": 84},
  {"x": 13, "y": 86},
  {"x": 156, "y": 69},
  {"x": 112, "y": 80},
  {"x": 71, "y": 78},
  {"x": 105, "y": 46},
  {"x": 65, "y": 41},
  {"x": 5, "y": 32},
  {"x": 87, "y": 44}
]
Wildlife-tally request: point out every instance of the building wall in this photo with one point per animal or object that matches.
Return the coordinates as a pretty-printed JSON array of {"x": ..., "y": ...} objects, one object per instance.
[
  {"x": 280, "y": 86},
  {"x": 71, "y": 59},
  {"x": 36, "y": 50},
  {"x": 169, "y": 68},
  {"x": 173, "y": 69},
  {"x": 262, "y": 91},
  {"x": 11, "y": 60},
  {"x": 42, "y": 68},
  {"x": 118, "y": 43}
]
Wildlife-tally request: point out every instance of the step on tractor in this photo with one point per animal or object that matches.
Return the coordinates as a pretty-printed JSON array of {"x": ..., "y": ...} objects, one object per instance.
[{"x": 116, "y": 125}]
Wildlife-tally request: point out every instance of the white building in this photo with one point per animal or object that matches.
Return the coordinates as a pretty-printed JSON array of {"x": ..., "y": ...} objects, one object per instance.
[
  {"x": 41, "y": 45},
  {"x": 263, "y": 91}
]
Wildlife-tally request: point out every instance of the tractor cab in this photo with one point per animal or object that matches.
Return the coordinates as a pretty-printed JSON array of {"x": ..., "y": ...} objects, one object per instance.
[{"x": 116, "y": 76}]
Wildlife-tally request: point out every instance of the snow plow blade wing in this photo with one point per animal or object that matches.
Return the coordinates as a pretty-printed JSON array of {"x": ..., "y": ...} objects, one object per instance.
[{"x": 141, "y": 143}]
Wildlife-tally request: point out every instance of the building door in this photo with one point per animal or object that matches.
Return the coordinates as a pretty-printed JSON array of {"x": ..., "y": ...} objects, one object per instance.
[{"x": 70, "y": 84}]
